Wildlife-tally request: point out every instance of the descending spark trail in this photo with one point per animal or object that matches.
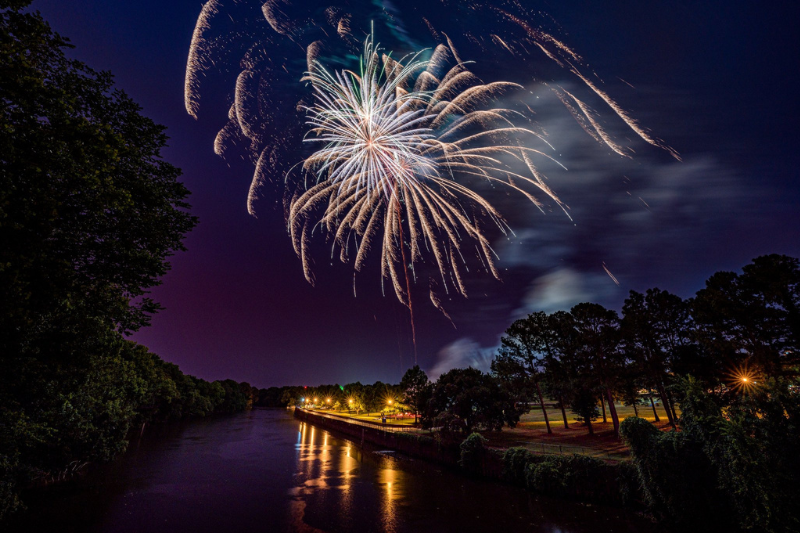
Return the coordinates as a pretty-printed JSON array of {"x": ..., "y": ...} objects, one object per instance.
[
  {"x": 610, "y": 275},
  {"x": 195, "y": 63}
]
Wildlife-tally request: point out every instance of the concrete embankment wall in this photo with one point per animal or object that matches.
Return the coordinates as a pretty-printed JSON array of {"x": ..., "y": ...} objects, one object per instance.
[{"x": 412, "y": 444}]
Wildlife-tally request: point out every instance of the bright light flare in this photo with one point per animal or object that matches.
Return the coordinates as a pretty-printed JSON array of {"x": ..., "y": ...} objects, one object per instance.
[{"x": 743, "y": 380}]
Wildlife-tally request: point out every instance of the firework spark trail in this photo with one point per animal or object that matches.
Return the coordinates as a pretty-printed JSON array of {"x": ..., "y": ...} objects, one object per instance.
[
  {"x": 195, "y": 62},
  {"x": 601, "y": 133},
  {"x": 625, "y": 117},
  {"x": 540, "y": 38},
  {"x": 610, "y": 275}
]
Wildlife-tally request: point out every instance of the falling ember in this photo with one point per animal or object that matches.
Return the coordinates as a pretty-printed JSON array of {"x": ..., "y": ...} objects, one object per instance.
[{"x": 610, "y": 275}]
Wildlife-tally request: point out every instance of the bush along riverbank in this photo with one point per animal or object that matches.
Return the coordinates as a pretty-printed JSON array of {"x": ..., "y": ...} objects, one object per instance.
[{"x": 576, "y": 477}]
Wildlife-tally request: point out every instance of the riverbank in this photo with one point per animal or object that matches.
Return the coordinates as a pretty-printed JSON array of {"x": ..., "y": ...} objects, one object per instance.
[
  {"x": 531, "y": 431},
  {"x": 571, "y": 476}
]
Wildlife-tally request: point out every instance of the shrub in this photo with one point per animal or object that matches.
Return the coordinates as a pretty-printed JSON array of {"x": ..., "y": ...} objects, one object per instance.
[
  {"x": 515, "y": 461},
  {"x": 472, "y": 452},
  {"x": 572, "y": 476}
]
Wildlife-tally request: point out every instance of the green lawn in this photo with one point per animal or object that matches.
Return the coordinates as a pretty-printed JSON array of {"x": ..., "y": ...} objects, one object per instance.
[
  {"x": 535, "y": 418},
  {"x": 531, "y": 433}
]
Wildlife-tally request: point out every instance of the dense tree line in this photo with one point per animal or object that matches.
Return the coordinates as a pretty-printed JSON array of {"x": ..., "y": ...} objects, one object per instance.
[
  {"x": 353, "y": 397},
  {"x": 734, "y": 464},
  {"x": 725, "y": 366},
  {"x": 461, "y": 401},
  {"x": 89, "y": 215},
  {"x": 737, "y": 332}
]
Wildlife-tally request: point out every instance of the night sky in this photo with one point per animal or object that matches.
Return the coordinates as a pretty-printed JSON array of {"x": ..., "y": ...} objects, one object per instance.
[{"x": 716, "y": 80}]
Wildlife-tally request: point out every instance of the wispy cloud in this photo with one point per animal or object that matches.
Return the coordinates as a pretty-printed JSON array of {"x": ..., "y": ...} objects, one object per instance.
[
  {"x": 645, "y": 217},
  {"x": 462, "y": 353}
]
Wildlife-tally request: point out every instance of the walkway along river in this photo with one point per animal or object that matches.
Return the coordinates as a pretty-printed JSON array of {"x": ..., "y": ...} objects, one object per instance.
[{"x": 265, "y": 471}]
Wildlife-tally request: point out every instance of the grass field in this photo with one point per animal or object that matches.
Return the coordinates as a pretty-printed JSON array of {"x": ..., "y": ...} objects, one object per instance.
[
  {"x": 535, "y": 418},
  {"x": 531, "y": 433}
]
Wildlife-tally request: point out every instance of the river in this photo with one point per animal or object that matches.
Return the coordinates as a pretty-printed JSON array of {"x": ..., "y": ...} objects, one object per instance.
[{"x": 264, "y": 471}]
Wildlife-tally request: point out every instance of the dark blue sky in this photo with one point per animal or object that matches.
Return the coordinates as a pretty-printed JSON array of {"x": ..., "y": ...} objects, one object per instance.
[{"x": 716, "y": 80}]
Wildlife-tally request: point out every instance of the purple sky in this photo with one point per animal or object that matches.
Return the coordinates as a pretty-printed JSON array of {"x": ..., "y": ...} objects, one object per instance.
[{"x": 716, "y": 80}]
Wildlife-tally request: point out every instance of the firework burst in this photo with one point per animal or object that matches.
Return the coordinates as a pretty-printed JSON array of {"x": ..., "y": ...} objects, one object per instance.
[
  {"x": 391, "y": 153},
  {"x": 405, "y": 149}
]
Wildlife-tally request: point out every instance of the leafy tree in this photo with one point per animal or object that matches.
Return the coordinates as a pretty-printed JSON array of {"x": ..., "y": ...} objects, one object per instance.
[
  {"x": 519, "y": 361},
  {"x": 656, "y": 326},
  {"x": 583, "y": 402},
  {"x": 752, "y": 320},
  {"x": 89, "y": 216},
  {"x": 89, "y": 212},
  {"x": 375, "y": 397},
  {"x": 597, "y": 357},
  {"x": 465, "y": 400},
  {"x": 354, "y": 397},
  {"x": 415, "y": 387}
]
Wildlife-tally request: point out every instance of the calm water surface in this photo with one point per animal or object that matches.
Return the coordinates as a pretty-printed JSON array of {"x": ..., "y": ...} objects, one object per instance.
[{"x": 264, "y": 471}]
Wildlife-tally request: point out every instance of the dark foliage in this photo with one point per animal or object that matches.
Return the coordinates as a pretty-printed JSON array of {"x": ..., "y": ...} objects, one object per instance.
[
  {"x": 472, "y": 450},
  {"x": 89, "y": 215},
  {"x": 735, "y": 465},
  {"x": 464, "y": 400}
]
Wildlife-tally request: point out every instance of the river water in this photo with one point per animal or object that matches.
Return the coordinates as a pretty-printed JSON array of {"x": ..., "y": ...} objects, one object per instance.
[{"x": 264, "y": 471}]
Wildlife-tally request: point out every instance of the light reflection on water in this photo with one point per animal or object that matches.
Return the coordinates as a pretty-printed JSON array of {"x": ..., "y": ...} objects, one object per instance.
[
  {"x": 340, "y": 487},
  {"x": 265, "y": 471},
  {"x": 322, "y": 466}
]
